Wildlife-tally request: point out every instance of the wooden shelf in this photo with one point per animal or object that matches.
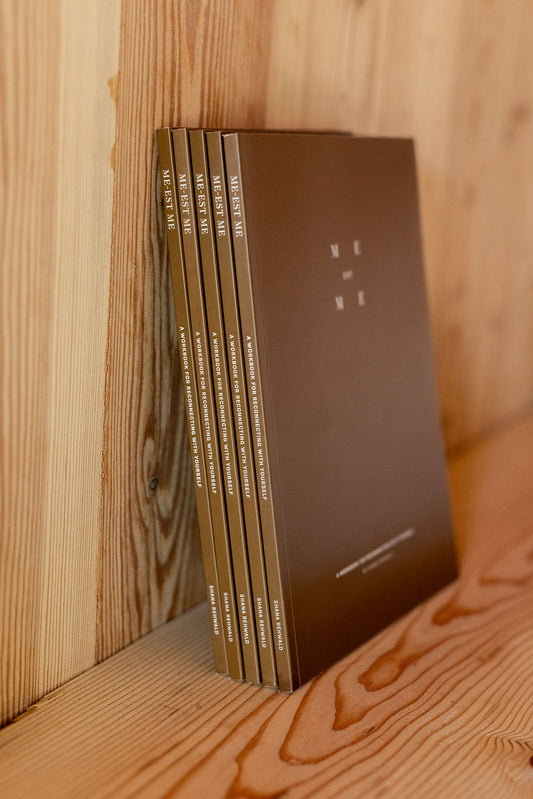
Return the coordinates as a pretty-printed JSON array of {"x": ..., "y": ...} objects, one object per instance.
[{"x": 440, "y": 704}]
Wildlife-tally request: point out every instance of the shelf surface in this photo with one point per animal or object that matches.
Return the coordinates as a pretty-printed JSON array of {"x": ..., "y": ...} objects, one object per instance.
[{"x": 440, "y": 704}]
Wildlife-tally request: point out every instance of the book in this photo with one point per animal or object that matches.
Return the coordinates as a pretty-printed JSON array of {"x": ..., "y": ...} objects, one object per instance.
[
  {"x": 208, "y": 276},
  {"x": 235, "y": 363},
  {"x": 347, "y": 445},
  {"x": 204, "y": 383},
  {"x": 181, "y": 307}
]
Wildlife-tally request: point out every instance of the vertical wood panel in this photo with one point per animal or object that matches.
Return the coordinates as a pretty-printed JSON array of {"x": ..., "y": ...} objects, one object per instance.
[
  {"x": 28, "y": 182},
  {"x": 85, "y": 136},
  {"x": 57, "y": 134},
  {"x": 458, "y": 76},
  {"x": 180, "y": 63}
]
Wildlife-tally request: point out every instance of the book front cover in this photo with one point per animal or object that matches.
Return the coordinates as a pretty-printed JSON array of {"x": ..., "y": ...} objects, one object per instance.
[{"x": 343, "y": 346}]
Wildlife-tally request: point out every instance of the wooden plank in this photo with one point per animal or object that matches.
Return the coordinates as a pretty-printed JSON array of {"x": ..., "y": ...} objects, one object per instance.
[
  {"x": 437, "y": 705},
  {"x": 180, "y": 63},
  {"x": 456, "y": 75},
  {"x": 56, "y": 235}
]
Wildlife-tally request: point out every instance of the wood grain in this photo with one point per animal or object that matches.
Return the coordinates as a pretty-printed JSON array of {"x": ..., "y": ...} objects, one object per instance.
[
  {"x": 438, "y": 705},
  {"x": 56, "y": 237},
  {"x": 150, "y": 558},
  {"x": 456, "y": 75},
  {"x": 98, "y": 537}
]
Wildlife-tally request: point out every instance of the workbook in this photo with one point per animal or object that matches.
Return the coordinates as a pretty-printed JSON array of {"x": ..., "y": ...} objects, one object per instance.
[{"x": 339, "y": 386}]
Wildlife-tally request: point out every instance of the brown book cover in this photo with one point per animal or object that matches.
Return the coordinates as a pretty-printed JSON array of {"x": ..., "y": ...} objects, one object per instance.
[
  {"x": 175, "y": 253},
  {"x": 239, "y": 400},
  {"x": 208, "y": 423},
  {"x": 222, "y": 395},
  {"x": 335, "y": 328}
]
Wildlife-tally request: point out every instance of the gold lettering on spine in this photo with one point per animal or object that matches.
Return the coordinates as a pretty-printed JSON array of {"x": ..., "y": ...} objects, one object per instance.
[
  {"x": 185, "y": 204},
  {"x": 256, "y": 420},
  {"x": 190, "y": 408},
  {"x": 277, "y": 626},
  {"x": 205, "y": 408},
  {"x": 223, "y": 424},
  {"x": 227, "y": 614},
  {"x": 213, "y": 606},
  {"x": 239, "y": 418},
  {"x": 218, "y": 206},
  {"x": 235, "y": 198},
  {"x": 244, "y": 617},
  {"x": 261, "y": 622}
]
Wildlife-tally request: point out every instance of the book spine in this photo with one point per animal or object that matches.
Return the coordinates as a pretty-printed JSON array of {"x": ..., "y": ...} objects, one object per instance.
[
  {"x": 213, "y": 309},
  {"x": 175, "y": 254},
  {"x": 204, "y": 382},
  {"x": 235, "y": 363},
  {"x": 286, "y": 661}
]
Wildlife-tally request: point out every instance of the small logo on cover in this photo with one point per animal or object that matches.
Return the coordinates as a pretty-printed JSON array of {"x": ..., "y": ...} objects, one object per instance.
[{"x": 347, "y": 272}]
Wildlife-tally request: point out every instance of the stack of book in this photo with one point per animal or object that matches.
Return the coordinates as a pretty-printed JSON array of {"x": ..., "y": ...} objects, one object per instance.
[{"x": 307, "y": 370}]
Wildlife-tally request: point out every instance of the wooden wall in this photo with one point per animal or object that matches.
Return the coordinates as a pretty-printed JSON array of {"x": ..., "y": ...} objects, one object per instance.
[{"x": 98, "y": 538}]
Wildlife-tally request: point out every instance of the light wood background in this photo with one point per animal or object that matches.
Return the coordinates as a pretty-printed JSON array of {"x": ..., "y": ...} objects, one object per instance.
[
  {"x": 437, "y": 706},
  {"x": 98, "y": 539}
]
